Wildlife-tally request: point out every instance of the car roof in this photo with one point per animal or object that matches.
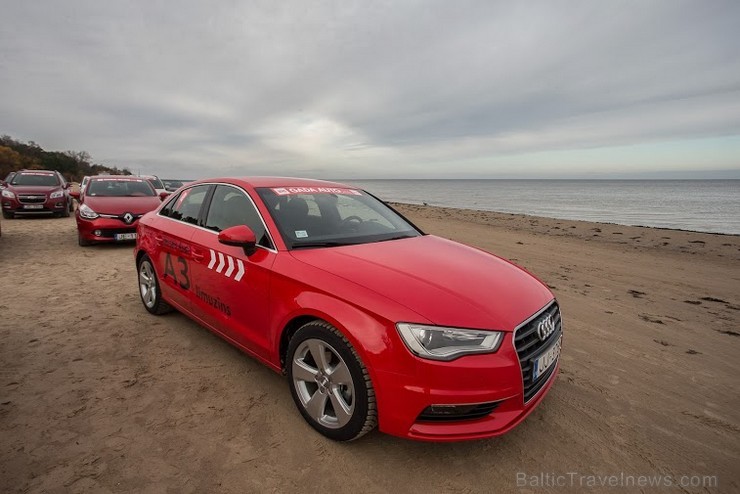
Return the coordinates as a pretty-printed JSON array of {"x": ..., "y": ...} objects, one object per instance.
[{"x": 274, "y": 182}]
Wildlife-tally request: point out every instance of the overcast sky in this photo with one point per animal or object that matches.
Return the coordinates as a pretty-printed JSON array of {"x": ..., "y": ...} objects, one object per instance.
[{"x": 378, "y": 89}]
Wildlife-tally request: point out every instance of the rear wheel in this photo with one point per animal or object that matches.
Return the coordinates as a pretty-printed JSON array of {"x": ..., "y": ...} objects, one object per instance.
[
  {"x": 151, "y": 296},
  {"x": 329, "y": 383},
  {"x": 65, "y": 213}
]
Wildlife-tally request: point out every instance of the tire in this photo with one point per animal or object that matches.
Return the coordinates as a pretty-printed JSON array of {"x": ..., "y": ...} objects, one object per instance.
[
  {"x": 8, "y": 216},
  {"x": 65, "y": 213},
  {"x": 151, "y": 296},
  {"x": 320, "y": 387},
  {"x": 82, "y": 242}
]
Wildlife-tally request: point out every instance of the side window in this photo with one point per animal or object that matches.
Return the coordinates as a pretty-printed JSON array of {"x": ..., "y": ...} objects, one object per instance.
[
  {"x": 231, "y": 207},
  {"x": 186, "y": 206},
  {"x": 167, "y": 209}
]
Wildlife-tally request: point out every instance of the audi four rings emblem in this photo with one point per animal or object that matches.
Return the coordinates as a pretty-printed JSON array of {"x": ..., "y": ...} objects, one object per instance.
[{"x": 545, "y": 328}]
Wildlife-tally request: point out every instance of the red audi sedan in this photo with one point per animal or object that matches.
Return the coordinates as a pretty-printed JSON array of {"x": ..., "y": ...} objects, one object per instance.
[
  {"x": 110, "y": 207},
  {"x": 374, "y": 322}
]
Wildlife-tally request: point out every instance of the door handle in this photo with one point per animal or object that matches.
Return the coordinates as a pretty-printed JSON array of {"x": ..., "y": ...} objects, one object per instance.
[
  {"x": 197, "y": 255},
  {"x": 158, "y": 239}
]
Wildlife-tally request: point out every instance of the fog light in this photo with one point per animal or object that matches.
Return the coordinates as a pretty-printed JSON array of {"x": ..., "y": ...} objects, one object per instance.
[
  {"x": 97, "y": 233},
  {"x": 436, "y": 413}
]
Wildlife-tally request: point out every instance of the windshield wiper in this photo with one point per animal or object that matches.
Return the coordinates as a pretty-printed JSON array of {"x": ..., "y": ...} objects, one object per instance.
[
  {"x": 397, "y": 237},
  {"x": 318, "y": 244}
]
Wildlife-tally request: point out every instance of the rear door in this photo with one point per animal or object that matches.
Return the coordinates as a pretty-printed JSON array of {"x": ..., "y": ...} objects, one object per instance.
[
  {"x": 231, "y": 289},
  {"x": 176, "y": 225}
]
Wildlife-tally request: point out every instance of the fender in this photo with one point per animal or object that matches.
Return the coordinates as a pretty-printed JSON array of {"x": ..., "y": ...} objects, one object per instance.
[
  {"x": 374, "y": 339},
  {"x": 367, "y": 334}
]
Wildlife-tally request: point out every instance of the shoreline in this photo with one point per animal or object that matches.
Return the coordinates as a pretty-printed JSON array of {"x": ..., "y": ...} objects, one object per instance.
[
  {"x": 426, "y": 204},
  {"x": 643, "y": 238}
]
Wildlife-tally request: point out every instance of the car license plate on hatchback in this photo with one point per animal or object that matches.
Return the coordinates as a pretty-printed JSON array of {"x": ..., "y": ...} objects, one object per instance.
[
  {"x": 125, "y": 236},
  {"x": 547, "y": 359},
  {"x": 33, "y": 206}
]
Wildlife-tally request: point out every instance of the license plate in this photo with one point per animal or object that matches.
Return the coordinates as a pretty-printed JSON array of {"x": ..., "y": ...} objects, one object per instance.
[
  {"x": 547, "y": 359},
  {"x": 125, "y": 236},
  {"x": 33, "y": 206}
]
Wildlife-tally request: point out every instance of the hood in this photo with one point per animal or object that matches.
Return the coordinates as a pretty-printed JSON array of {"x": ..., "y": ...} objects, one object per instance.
[
  {"x": 121, "y": 205},
  {"x": 448, "y": 283},
  {"x": 33, "y": 189}
]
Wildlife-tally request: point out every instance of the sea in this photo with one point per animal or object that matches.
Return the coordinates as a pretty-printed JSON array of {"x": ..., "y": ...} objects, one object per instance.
[{"x": 697, "y": 205}]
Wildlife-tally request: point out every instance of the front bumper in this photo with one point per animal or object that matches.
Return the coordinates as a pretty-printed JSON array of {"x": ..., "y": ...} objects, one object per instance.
[
  {"x": 104, "y": 230},
  {"x": 49, "y": 206},
  {"x": 494, "y": 382}
]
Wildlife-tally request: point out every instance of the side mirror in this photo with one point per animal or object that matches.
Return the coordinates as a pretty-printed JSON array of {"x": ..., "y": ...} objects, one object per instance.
[
  {"x": 239, "y": 236},
  {"x": 3, "y": 183},
  {"x": 75, "y": 194},
  {"x": 68, "y": 185},
  {"x": 164, "y": 195}
]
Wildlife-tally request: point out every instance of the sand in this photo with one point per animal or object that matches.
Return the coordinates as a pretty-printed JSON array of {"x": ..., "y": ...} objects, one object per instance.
[{"x": 96, "y": 395}]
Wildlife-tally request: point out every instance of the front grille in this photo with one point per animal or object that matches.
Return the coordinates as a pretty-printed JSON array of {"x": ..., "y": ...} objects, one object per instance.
[
  {"x": 529, "y": 347},
  {"x": 31, "y": 199},
  {"x": 122, "y": 217},
  {"x": 449, "y": 413}
]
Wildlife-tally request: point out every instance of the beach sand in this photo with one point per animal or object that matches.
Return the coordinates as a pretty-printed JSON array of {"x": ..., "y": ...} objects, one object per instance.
[{"x": 96, "y": 395}]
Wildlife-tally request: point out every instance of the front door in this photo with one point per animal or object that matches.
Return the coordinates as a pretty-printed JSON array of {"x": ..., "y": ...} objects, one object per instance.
[{"x": 231, "y": 289}]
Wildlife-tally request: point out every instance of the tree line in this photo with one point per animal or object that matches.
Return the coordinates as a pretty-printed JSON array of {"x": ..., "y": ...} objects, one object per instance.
[{"x": 15, "y": 155}]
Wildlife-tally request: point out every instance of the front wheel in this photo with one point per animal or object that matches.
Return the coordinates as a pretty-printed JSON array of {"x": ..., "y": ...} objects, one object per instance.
[
  {"x": 8, "y": 216},
  {"x": 151, "y": 296},
  {"x": 329, "y": 383}
]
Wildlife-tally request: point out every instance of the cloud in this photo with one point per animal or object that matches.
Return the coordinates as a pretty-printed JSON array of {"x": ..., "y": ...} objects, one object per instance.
[{"x": 364, "y": 89}]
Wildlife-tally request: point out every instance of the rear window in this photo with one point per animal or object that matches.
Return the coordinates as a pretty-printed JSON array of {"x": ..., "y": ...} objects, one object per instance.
[{"x": 36, "y": 178}]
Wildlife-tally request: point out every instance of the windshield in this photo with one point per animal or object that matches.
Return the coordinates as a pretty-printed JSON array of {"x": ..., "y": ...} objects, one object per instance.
[
  {"x": 117, "y": 187},
  {"x": 35, "y": 178},
  {"x": 156, "y": 183},
  {"x": 327, "y": 217}
]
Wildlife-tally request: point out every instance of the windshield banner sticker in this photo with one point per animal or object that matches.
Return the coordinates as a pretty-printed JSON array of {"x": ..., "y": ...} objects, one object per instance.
[
  {"x": 118, "y": 179},
  {"x": 287, "y": 191}
]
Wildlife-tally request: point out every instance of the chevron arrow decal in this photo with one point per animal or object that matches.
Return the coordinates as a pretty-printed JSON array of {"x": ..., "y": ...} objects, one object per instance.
[
  {"x": 240, "y": 271},
  {"x": 232, "y": 265}
]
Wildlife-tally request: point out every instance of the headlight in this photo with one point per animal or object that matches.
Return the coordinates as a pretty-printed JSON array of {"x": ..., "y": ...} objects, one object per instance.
[
  {"x": 8, "y": 194},
  {"x": 56, "y": 194},
  {"x": 439, "y": 343},
  {"x": 87, "y": 213}
]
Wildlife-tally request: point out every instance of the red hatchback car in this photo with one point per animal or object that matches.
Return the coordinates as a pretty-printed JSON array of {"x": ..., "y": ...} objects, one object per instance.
[
  {"x": 373, "y": 321},
  {"x": 110, "y": 207}
]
